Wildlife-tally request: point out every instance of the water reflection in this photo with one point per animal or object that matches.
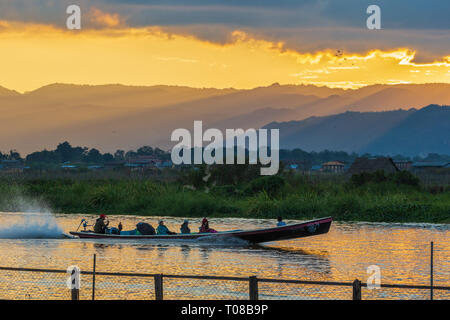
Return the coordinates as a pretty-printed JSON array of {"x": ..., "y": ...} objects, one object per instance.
[
  {"x": 145, "y": 248},
  {"x": 311, "y": 261},
  {"x": 289, "y": 250},
  {"x": 401, "y": 251},
  {"x": 99, "y": 247},
  {"x": 161, "y": 249},
  {"x": 205, "y": 253},
  {"x": 185, "y": 251}
]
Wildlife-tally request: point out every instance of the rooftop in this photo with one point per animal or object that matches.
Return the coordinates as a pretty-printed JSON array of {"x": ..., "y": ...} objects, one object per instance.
[
  {"x": 434, "y": 164},
  {"x": 333, "y": 163},
  {"x": 372, "y": 165}
]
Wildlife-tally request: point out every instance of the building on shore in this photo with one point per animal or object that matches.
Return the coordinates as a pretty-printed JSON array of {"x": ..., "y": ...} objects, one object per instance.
[
  {"x": 295, "y": 165},
  {"x": 403, "y": 165},
  {"x": 68, "y": 166},
  {"x": 12, "y": 166},
  {"x": 430, "y": 166},
  {"x": 166, "y": 164},
  {"x": 333, "y": 166},
  {"x": 371, "y": 165},
  {"x": 114, "y": 165},
  {"x": 141, "y": 163}
]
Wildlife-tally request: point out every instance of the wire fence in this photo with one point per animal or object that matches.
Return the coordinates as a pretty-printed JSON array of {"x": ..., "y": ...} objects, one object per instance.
[
  {"x": 46, "y": 284},
  {"x": 73, "y": 283}
]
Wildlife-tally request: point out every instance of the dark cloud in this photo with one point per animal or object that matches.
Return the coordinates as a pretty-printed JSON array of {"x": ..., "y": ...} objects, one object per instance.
[
  {"x": 302, "y": 24},
  {"x": 405, "y": 14}
]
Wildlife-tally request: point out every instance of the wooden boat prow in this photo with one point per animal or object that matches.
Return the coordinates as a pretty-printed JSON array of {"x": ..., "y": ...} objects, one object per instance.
[{"x": 292, "y": 231}]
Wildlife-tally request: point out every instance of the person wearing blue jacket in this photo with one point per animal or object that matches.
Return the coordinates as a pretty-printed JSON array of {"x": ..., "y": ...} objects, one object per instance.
[
  {"x": 162, "y": 229},
  {"x": 280, "y": 222}
]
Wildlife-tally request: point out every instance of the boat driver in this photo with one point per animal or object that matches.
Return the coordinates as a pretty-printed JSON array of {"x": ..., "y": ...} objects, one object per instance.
[{"x": 100, "y": 224}]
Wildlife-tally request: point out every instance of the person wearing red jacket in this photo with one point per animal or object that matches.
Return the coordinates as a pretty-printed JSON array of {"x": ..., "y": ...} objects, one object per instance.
[{"x": 205, "y": 227}]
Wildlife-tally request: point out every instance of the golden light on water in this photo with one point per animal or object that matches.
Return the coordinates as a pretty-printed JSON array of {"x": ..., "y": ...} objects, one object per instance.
[
  {"x": 33, "y": 55},
  {"x": 402, "y": 253}
]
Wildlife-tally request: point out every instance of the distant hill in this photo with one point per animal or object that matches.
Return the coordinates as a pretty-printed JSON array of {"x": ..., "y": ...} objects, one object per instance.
[
  {"x": 424, "y": 131},
  {"x": 7, "y": 93},
  {"x": 114, "y": 116},
  {"x": 407, "y": 132}
]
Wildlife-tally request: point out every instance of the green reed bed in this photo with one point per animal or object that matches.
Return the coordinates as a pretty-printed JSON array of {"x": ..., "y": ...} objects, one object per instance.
[{"x": 290, "y": 197}]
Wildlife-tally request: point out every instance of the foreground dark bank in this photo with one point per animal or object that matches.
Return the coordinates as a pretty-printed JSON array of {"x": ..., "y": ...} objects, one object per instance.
[{"x": 369, "y": 197}]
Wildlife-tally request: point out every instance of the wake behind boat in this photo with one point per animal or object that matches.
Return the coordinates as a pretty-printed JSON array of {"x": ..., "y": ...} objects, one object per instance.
[{"x": 293, "y": 231}]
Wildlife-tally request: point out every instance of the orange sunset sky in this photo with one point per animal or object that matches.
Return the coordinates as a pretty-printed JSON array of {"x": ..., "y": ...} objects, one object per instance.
[{"x": 114, "y": 46}]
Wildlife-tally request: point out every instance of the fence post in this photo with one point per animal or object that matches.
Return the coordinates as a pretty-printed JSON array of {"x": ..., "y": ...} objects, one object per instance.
[
  {"x": 75, "y": 294},
  {"x": 431, "y": 271},
  {"x": 253, "y": 288},
  {"x": 75, "y": 291},
  {"x": 93, "y": 277},
  {"x": 356, "y": 290},
  {"x": 158, "y": 286},
  {"x": 75, "y": 282}
]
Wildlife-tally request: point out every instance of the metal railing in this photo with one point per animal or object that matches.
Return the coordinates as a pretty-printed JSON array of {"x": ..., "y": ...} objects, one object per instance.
[
  {"x": 35, "y": 283},
  {"x": 302, "y": 289}
]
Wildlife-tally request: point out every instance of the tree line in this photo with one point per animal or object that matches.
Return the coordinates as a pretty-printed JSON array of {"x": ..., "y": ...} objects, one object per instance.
[{"x": 65, "y": 152}]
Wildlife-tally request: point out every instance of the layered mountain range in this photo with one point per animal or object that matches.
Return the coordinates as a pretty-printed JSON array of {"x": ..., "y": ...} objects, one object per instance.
[
  {"x": 405, "y": 132},
  {"x": 376, "y": 119}
]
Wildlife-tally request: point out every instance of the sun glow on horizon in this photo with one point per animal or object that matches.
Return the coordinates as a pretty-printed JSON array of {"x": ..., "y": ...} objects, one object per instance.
[{"x": 34, "y": 55}]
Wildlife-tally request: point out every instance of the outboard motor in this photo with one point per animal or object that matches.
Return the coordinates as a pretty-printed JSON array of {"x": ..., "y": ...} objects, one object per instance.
[{"x": 145, "y": 229}]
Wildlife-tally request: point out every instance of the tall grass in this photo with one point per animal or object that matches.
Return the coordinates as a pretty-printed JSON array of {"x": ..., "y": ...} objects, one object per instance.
[{"x": 298, "y": 198}]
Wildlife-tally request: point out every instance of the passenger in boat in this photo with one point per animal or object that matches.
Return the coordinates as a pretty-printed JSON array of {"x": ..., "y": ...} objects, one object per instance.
[
  {"x": 100, "y": 224},
  {"x": 162, "y": 229},
  {"x": 205, "y": 227},
  {"x": 184, "y": 227},
  {"x": 280, "y": 222},
  {"x": 113, "y": 230}
]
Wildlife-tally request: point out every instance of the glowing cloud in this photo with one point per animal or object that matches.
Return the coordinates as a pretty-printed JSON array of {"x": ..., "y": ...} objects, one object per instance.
[
  {"x": 104, "y": 19},
  {"x": 34, "y": 55}
]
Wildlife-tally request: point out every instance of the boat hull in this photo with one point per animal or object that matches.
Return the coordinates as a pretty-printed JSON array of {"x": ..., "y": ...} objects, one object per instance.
[{"x": 293, "y": 231}]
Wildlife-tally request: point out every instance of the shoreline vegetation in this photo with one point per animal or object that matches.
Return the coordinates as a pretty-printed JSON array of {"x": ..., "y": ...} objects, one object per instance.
[{"x": 236, "y": 191}]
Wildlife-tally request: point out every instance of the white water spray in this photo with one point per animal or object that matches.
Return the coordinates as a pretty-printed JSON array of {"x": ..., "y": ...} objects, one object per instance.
[{"x": 35, "y": 221}]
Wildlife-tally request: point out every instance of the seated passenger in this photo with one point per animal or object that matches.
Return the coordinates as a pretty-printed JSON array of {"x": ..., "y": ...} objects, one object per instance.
[
  {"x": 205, "y": 227},
  {"x": 163, "y": 230},
  {"x": 184, "y": 227},
  {"x": 113, "y": 230},
  {"x": 100, "y": 225},
  {"x": 280, "y": 222}
]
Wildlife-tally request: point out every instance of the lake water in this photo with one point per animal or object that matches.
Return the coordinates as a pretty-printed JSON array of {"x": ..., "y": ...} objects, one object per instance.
[{"x": 401, "y": 251}]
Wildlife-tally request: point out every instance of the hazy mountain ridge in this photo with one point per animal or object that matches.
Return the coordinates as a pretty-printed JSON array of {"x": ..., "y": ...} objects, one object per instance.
[
  {"x": 408, "y": 132},
  {"x": 7, "y": 93},
  {"x": 111, "y": 117},
  {"x": 424, "y": 131}
]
